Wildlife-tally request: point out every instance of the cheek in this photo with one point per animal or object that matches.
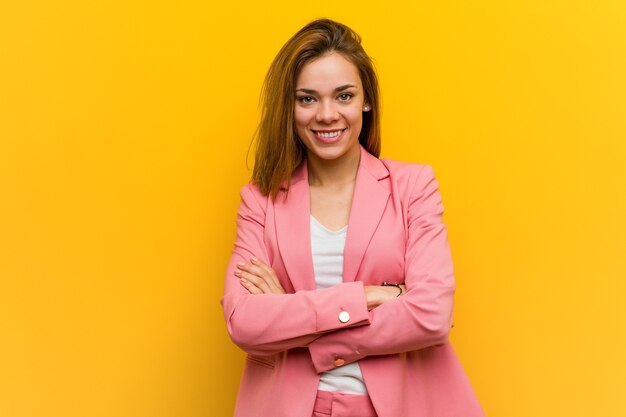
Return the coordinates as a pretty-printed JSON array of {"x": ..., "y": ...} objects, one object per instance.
[
  {"x": 301, "y": 118},
  {"x": 355, "y": 116}
]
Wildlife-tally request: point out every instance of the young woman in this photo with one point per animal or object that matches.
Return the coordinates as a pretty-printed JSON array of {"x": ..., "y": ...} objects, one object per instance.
[{"x": 340, "y": 287}]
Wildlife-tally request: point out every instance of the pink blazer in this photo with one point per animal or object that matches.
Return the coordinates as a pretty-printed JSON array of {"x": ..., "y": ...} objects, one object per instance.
[{"x": 395, "y": 234}]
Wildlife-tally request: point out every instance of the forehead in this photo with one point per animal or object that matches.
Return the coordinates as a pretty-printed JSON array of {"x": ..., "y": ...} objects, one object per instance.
[{"x": 330, "y": 71}]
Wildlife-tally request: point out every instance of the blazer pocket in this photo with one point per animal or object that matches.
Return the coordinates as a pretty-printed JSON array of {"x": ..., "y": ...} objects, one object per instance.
[{"x": 264, "y": 361}]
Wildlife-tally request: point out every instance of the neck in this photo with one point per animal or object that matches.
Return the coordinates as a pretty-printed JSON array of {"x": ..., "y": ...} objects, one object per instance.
[{"x": 337, "y": 172}]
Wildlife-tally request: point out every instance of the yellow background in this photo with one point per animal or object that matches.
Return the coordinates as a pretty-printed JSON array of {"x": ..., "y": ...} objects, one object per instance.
[{"x": 124, "y": 128}]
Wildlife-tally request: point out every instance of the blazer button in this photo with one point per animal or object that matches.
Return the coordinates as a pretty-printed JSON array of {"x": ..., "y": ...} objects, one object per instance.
[
  {"x": 344, "y": 317},
  {"x": 339, "y": 362}
]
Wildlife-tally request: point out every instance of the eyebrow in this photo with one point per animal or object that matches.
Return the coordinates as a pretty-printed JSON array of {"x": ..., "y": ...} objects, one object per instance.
[{"x": 340, "y": 88}]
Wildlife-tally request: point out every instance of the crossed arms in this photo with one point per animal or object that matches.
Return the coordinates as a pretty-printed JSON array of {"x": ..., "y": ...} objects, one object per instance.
[{"x": 263, "y": 320}]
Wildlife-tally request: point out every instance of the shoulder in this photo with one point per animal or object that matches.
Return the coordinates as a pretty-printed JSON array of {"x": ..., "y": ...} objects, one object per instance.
[
  {"x": 409, "y": 175},
  {"x": 252, "y": 198},
  {"x": 416, "y": 186}
]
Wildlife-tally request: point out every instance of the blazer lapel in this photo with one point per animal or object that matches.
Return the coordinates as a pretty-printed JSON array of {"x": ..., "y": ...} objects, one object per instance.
[
  {"x": 369, "y": 200},
  {"x": 293, "y": 229},
  {"x": 293, "y": 222}
]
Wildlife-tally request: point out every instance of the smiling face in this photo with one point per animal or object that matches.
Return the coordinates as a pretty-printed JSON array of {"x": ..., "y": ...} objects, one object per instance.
[{"x": 329, "y": 107}]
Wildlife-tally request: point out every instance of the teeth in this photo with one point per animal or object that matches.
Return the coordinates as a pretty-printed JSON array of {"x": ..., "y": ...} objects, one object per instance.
[{"x": 329, "y": 134}]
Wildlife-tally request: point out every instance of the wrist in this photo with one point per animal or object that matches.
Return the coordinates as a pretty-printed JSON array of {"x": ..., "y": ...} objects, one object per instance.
[
  {"x": 375, "y": 296},
  {"x": 391, "y": 284}
]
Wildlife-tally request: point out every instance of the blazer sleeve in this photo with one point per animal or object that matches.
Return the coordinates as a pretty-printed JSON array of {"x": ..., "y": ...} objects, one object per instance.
[
  {"x": 421, "y": 317},
  {"x": 264, "y": 324}
]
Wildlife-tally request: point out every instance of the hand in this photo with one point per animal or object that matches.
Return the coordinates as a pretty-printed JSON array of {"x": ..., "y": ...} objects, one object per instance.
[
  {"x": 377, "y": 295},
  {"x": 258, "y": 278}
]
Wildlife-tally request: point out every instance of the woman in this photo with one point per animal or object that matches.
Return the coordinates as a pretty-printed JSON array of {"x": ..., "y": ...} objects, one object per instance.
[{"x": 340, "y": 287}]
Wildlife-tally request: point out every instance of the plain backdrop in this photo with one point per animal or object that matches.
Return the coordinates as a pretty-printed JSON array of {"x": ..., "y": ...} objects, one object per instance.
[{"x": 124, "y": 132}]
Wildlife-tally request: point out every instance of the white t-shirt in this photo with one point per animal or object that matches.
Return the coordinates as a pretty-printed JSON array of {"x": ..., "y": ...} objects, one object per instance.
[{"x": 327, "y": 250}]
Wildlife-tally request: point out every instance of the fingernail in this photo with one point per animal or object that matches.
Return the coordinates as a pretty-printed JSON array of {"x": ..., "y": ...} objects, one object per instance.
[
  {"x": 243, "y": 280},
  {"x": 253, "y": 259},
  {"x": 240, "y": 264},
  {"x": 237, "y": 272}
]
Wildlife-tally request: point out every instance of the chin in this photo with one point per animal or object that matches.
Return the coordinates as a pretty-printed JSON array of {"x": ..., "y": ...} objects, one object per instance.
[{"x": 329, "y": 154}]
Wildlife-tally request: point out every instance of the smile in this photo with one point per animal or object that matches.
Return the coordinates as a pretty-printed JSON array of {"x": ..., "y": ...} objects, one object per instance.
[{"x": 329, "y": 136}]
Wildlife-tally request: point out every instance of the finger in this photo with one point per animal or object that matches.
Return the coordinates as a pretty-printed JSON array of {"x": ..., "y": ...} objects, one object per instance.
[
  {"x": 268, "y": 271},
  {"x": 255, "y": 270},
  {"x": 261, "y": 264},
  {"x": 264, "y": 273},
  {"x": 254, "y": 279},
  {"x": 403, "y": 289},
  {"x": 252, "y": 289},
  {"x": 261, "y": 273},
  {"x": 270, "y": 277}
]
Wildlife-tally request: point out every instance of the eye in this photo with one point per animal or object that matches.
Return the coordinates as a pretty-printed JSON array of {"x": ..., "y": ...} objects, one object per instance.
[
  {"x": 305, "y": 99},
  {"x": 345, "y": 96}
]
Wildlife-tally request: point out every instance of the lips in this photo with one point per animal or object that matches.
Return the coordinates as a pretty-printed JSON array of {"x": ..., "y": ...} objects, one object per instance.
[{"x": 329, "y": 136}]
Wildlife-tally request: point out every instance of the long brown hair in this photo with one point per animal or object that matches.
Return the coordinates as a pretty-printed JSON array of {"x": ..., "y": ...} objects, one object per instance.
[{"x": 279, "y": 151}]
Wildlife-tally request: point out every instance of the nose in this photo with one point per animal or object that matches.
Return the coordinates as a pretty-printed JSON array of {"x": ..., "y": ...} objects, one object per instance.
[{"x": 326, "y": 113}]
